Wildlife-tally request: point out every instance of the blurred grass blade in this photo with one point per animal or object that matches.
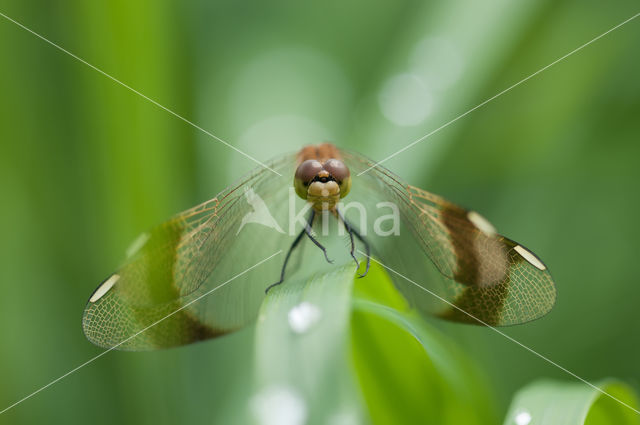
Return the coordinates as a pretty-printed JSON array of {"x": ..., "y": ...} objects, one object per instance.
[
  {"x": 407, "y": 369},
  {"x": 302, "y": 370},
  {"x": 550, "y": 403}
]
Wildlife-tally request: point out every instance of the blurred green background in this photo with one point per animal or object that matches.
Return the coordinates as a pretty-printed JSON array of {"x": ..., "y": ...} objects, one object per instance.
[{"x": 86, "y": 165}]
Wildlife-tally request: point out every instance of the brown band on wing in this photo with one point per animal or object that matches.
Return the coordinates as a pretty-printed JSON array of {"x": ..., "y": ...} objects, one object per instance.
[
  {"x": 476, "y": 301},
  {"x": 181, "y": 329},
  {"x": 320, "y": 152},
  {"x": 162, "y": 270},
  {"x": 479, "y": 306},
  {"x": 462, "y": 234},
  {"x": 484, "y": 303},
  {"x": 158, "y": 287}
]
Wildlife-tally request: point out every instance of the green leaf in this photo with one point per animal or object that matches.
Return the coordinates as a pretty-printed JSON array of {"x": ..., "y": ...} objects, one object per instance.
[
  {"x": 408, "y": 371},
  {"x": 302, "y": 369},
  {"x": 575, "y": 403}
]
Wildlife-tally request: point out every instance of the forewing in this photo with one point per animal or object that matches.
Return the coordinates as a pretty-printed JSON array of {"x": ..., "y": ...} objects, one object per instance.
[
  {"x": 485, "y": 277},
  {"x": 196, "y": 254}
]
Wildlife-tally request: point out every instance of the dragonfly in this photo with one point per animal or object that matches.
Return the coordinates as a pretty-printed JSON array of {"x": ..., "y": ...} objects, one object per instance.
[{"x": 477, "y": 275}]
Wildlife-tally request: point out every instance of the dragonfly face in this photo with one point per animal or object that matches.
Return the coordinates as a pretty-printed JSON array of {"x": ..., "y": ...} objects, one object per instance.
[
  {"x": 448, "y": 250},
  {"x": 323, "y": 184},
  {"x": 322, "y": 179}
]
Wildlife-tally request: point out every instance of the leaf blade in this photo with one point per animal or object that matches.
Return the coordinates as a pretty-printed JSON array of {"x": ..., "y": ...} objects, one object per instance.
[{"x": 574, "y": 403}]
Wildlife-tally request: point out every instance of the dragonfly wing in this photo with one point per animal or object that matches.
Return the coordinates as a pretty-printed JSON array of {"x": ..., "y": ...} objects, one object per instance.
[
  {"x": 196, "y": 253},
  {"x": 484, "y": 277}
]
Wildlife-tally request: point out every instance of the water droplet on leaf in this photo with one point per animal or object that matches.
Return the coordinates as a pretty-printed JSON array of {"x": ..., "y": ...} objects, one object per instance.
[
  {"x": 279, "y": 405},
  {"x": 303, "y": 316},
  {"x": 522, "y": 417}
]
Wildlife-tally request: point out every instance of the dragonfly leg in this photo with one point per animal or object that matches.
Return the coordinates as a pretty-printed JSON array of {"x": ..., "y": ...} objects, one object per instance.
[
  {"x": 307, "y": 230},
  {"x": 286, "y": 260},
  {"x": 352, "y": 231},
  {"x": 367, "y": 248},
  {"x": 353, "y": 244}
]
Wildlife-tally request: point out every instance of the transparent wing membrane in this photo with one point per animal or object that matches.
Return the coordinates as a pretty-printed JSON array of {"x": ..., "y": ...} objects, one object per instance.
[
  {"x": 494, "y": 280},
  {"x": 187, "y": 256},
  {"x": 451, "y": 252}
]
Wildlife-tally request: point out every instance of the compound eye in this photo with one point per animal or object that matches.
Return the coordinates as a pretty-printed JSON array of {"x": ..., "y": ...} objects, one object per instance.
[
  {"x": 307, "y": 171},
  {"x": 305, "y": 174},
  {"x": 337, "y": 169}
]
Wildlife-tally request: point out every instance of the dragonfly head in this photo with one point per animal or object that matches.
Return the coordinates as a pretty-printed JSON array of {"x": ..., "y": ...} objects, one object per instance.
[{"x": 322, "y": 184}]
